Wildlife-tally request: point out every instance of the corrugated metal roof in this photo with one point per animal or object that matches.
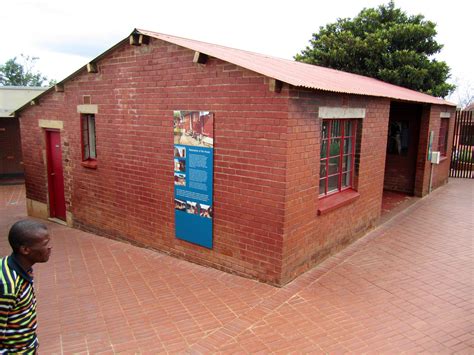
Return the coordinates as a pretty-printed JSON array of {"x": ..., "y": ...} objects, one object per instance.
[
  {"x": 288, "y": 71},
  {"x": 12, "y": 97},
  {"x": 301, "y": 74}
]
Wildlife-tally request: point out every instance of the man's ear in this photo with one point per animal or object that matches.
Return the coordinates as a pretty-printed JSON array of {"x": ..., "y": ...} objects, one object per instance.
[{"x": 24, "y": 250}]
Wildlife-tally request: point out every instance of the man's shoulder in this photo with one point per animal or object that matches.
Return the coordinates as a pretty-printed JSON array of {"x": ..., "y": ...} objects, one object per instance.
[{"x": 8, "y": 278}]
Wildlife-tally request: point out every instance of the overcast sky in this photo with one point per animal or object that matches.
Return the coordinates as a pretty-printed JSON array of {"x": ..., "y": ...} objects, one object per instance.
[{"x": 66, "y": 34}]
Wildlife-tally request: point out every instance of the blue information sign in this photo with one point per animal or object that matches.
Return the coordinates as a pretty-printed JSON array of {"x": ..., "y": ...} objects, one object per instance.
[{"x": 193, "y": 176}]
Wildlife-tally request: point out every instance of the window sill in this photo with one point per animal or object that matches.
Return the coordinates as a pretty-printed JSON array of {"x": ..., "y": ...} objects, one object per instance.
[
  {"x": 90, "y": 164},
  {"x": 442, "y": 158},
  {"x": 332, "y": 202}
]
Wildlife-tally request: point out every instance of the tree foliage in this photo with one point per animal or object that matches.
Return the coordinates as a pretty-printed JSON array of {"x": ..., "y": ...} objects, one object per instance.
[
  {"x": 383, "y": 43},
  {"x": 14, "y": 73}
]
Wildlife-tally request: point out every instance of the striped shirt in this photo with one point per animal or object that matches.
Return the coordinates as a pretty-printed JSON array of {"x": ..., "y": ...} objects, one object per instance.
[{"x": 17, "y": 309}]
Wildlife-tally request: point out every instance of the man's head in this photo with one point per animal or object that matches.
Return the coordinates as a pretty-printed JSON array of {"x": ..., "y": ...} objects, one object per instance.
[{"x": 29, "y": 240}]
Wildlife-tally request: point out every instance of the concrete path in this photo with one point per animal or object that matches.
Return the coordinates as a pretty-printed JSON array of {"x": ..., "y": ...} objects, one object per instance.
[{"x": 406, "y": 287}]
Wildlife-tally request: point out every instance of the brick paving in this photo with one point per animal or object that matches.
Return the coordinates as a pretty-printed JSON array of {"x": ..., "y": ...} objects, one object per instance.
[{"x": 406, "y": 287}]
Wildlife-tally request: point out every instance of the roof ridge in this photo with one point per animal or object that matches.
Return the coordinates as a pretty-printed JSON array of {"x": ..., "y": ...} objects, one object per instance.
[
  {"x": 214, "y": 44},
  {"x": 300, "y": 73}
]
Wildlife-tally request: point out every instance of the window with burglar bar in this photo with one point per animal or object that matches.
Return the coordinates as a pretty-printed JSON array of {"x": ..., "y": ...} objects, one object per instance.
[
  {"x": 338, "y": 139},
  {"x": 88, "y": 137}
]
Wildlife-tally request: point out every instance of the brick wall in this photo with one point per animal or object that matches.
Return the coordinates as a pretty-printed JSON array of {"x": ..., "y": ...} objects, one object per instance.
[
  {"x": 441, "y": 171},
  {"x": 430, "y": 121},
  {"x": 131, "y": 193},
  {"x": 10, "y": 147},
  {"x": 310, "y": 238}
]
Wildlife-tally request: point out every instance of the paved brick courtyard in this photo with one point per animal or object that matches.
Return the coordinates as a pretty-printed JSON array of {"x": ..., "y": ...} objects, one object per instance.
[{"x": 406, "y": 287}]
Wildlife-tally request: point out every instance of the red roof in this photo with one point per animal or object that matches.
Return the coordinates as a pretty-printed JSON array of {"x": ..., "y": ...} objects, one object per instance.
[{"x": 301, "y": 74}]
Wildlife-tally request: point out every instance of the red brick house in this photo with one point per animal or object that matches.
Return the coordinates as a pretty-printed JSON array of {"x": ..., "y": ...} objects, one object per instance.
[{"x": 301, "y": 154}]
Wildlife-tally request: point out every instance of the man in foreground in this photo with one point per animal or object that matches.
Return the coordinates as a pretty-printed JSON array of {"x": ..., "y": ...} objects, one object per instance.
[{"x": 29, "y": 240}]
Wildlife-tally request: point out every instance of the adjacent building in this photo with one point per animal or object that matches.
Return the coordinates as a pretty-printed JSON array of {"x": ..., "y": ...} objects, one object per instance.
[{"x": 11, "y": 98}]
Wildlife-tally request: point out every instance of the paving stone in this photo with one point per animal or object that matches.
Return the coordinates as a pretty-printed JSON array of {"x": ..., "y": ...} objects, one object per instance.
[{"x": 405, "y": 287}]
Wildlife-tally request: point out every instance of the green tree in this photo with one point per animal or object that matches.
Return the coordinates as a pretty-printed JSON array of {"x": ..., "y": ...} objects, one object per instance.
[
  {"x": 14, "y": 73},
  {"x": 383, "y": 43}
]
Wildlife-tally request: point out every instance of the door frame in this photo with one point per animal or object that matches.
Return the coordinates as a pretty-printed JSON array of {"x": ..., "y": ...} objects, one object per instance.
[
  {"x": 53, "y": 209},
  {"x": 406, "y": 164}
]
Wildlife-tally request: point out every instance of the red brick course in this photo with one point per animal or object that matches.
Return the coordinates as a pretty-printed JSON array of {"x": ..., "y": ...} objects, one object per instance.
[{"x": 266, "y": 160}]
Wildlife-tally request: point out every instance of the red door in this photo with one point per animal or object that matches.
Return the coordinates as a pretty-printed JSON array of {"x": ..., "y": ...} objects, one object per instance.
[{"x": 57, "y": 204}]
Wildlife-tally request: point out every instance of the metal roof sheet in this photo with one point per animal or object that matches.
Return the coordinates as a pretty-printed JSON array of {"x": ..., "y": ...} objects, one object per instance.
[
  {"x": 288, "y": 71},
  {"x": 13, "y": 97},
  {"x": 301, "y": 74}
]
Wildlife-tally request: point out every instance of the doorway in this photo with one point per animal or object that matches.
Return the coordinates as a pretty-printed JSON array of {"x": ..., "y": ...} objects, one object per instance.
[
  {"x": 402, "y": 147},
  {"x": 57, "y": 203},
  {"x": 400, "y": 162}
]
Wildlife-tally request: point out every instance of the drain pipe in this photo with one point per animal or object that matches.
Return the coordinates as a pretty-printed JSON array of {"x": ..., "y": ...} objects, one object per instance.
[
  {"x": 430, "y": 158},
  {"x": 435, "y": 156},
  {"x": 431, "y": 178}
]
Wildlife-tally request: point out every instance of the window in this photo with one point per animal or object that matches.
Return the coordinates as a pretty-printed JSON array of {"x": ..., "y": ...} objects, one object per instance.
[
  {"x": 443, "y": 136},
  {"x": 338, "y": 138},
  {"x": 88, "y": 137}
]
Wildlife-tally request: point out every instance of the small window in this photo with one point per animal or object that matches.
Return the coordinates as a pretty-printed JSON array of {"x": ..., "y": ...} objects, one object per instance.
[
  {"x": 443, "y": 136},
  {"x": 88, "y": 137},
  {"x": 338, "y": 139}
]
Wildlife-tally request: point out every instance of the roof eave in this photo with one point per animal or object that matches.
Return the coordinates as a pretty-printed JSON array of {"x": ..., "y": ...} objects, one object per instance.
[{"x": 433, "y": 100}]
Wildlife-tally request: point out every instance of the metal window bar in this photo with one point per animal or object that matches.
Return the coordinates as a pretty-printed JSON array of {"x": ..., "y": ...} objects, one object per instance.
[
  {"x": 463, "y": 146},
  {"x": 342, "y": 136}
]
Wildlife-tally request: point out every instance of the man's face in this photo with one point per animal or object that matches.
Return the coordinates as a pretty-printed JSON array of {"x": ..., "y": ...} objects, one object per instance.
[{"x": 39, "y": 248}]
